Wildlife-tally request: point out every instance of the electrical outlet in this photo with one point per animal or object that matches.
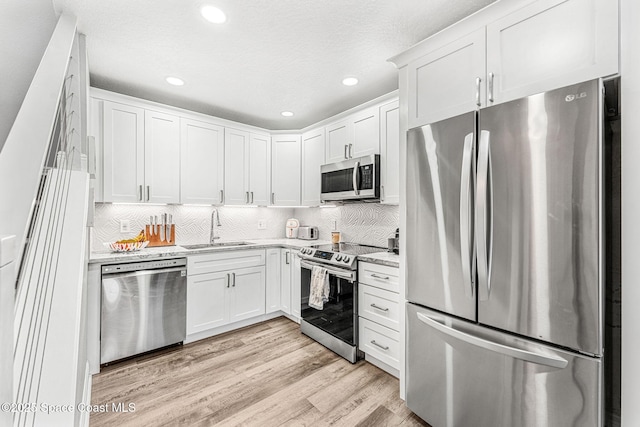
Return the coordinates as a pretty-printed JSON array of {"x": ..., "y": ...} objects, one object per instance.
[
  {"x": 125, "y": 226},
  {"x": 334, "y": 225},
  {"x": 262, "y": 224}
]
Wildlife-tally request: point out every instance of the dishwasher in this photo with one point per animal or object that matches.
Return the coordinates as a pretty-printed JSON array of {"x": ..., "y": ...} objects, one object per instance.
[{"x": 143, "y": 307}]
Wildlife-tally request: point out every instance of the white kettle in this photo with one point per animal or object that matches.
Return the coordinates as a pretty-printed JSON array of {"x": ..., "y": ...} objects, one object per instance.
[{"x": 292, "y": 228}]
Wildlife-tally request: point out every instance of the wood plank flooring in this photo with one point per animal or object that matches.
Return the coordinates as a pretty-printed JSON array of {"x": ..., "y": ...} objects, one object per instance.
[{"x": 267, "y": 374}]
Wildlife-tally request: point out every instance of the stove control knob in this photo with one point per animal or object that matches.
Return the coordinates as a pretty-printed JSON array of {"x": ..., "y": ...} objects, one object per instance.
[
  {"x": 346, "y": 259},
  {"x": 304, "y": 251},
  {"x": 339, "y": 258}
]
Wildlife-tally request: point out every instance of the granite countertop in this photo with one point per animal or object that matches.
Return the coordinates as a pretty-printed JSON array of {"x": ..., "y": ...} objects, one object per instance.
[
  {"x": 104, "y": 257},
  {"x": 383, "y": 258}
]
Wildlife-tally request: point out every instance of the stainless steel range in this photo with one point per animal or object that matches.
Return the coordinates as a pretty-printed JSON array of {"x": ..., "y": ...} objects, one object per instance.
[{"x": 336, "y": 325}]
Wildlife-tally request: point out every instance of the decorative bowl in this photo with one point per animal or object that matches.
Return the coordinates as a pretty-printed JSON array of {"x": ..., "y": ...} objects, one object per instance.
[{"x": 127, "y": 247}]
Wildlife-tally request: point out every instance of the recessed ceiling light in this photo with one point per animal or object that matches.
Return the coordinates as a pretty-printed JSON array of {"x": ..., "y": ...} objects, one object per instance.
[
  {"x": 349, "y": 81},
  {"x": 287, "y": 113},
  {"x": 213, "y": 14},
  {"x": 174, "y": 81}
]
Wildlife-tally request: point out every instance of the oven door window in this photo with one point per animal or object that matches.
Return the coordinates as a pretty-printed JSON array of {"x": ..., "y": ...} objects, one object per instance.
[{"x": 337, "y": 315}]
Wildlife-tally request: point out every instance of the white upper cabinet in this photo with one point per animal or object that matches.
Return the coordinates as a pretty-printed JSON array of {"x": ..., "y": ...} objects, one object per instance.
[
  {"x": 123, "y": 153},
  {"x": 201, "y": 162},
  {"x": 507, "y": 51},
  {"x": 551, "y": 44},
  {"x": 358, "y": 135},
  {"x": 285, "y": 170},
  {"x": 390, "y": 153},
  {"x": 162, "y": 157},
  {"x": 448, "y": 81},
  {"x": 236, "y": 167},
  {"x": 313, "y": 152},
  {"x": 259, "y": 169},
  {"x": 366, "y": 133}
]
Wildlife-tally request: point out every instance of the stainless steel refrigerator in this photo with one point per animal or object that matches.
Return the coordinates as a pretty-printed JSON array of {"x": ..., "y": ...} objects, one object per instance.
[{"x": 505, "y": 263}]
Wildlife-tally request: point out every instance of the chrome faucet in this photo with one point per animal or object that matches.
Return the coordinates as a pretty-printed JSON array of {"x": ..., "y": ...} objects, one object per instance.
[{"x": 215, "y": 222}]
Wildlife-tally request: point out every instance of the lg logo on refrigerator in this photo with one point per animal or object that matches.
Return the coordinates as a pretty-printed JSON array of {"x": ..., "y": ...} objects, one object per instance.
[{"x": 572, "y": 97}]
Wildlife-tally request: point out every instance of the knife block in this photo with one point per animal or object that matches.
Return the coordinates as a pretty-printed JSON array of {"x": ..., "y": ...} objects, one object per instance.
[{"x": 152, "y": 234}]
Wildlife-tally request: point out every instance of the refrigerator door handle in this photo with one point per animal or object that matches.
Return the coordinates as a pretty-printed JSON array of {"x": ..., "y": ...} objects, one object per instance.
[
  {"x": 483, "y": 211},
  {"x": 466, "y": 244},
  {"x": 528, "y": 356}
]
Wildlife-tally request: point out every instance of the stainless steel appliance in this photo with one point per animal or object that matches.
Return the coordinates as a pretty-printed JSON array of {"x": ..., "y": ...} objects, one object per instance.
[
  {"x": 505, "y": 264},
  {"x": 353, "y": 179},
  {"x": 336, "y": 325},
  {"x": 306, "y": 232},
  {"x": 143, "y": 307}
]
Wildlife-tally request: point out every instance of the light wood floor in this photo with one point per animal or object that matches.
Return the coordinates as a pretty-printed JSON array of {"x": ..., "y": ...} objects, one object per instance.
[{"x": 263, "y": 375}]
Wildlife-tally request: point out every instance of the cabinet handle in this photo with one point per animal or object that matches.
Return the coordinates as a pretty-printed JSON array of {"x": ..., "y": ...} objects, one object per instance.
[
  {"x": 221, "y": 196},
  {"x": 148, "y": 192},
  {"x": 382, "y": 193},
  {"x": 140, "y": 192},
  {"x": 491, "y": 76},
  {"x": 273, "y": 198},
  {"x": 346, "y": 147},
  {"x": 246, "y": 197},
  {"x": 234, "y": 279},
  {"x": 286, "y": 257},
  {"x": 380, "y": 277},
  {"x": 252, "y": 197},
  {"x": 228, "y": 279},
  {"x": 384, "y": 347},
  {"x": 351, "y": 151},
  {"x": 478, "y": 80},
  {"x": 379, "y": 308}
]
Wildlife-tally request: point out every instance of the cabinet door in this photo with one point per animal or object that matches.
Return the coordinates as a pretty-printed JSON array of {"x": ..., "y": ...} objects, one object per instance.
[
  {"x": 201, "y": 162},
  {"x": 273, "y": 287},
  {"x": 259, "y": 162},
  {"x": 366, "y": 133},
  {"x": 312, "y": 158},
  {"x": 123, "y": 153},
  {"x": 444, "y": 83},
  {"x": 390, "y": 153},
  {"x": 285, "y": 289},
  {"x": 550, "y": 44},
  {"x": 236, "y": 171},
  {"x": 296, "y": 283},
  {"x": 206, "y": 301},
  {"x": 246, "y": 294},
  {"x": 95, "y": 130},
  {"x": 162, "y": 157},
  {"x": 338, "y": 136},
  {"x": 285, "y": 170}
]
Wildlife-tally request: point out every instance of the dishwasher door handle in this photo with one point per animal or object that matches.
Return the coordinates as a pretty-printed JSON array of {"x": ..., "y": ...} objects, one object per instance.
[{"x": 142, "y": 273}]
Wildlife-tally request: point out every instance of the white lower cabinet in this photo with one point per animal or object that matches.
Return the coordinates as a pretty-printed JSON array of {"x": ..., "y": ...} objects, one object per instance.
[
  {"x": 380, "y": 314},
  {"x": 230, "y": 290},
  {"x": 274, "y": 278},
  {"x": 290, "y": 283}
]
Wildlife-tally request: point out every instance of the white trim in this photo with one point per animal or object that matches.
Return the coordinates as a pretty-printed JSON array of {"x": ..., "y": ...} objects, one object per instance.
[{"x": 231, "y": 327}]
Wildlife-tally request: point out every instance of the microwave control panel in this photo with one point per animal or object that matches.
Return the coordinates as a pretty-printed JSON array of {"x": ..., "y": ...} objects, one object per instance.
[{"x": 366, "y": 177}]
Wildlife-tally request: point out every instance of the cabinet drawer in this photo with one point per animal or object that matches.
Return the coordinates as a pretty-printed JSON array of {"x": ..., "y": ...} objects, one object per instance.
[
  {"x": 380, "y": 276},
  {"x": 379, "y": 342},
  {"x": 227, "y": 260},
  {"x": 379, "y": 306}
]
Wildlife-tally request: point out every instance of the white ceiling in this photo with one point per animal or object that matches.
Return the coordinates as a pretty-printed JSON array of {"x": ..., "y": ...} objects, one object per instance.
[{"x": 270, "y": 55}]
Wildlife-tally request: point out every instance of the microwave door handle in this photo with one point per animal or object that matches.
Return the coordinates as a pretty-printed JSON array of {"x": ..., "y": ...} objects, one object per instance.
[{"x": 356, "y": 178}]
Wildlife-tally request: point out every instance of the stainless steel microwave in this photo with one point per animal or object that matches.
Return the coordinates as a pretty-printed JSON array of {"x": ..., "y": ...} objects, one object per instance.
[{"x": 353, "y": 179}]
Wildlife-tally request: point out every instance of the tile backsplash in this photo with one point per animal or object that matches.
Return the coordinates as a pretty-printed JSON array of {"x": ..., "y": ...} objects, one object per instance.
[{"x": 365, "y": 223}]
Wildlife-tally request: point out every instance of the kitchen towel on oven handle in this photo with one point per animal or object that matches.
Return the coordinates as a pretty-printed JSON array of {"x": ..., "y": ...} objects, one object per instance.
[{"x": 319, "y": 287}]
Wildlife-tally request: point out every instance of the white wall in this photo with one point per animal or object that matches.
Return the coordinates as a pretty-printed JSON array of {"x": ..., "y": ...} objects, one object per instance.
[
  {"x": 26, "y": 27},
  {"x": 630, "y": 110}
]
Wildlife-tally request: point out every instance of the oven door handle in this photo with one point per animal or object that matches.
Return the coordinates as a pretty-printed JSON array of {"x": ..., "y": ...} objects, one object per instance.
[{"x": 343, "y": 274}]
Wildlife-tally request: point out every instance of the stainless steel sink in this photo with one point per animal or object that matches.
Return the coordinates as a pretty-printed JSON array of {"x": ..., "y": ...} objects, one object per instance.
[{"x": 215, "y": 245}]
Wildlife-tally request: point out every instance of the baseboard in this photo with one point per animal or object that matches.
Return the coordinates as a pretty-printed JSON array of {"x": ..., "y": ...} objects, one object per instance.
[
  {"x": 380, "y": 364},
  {"x": 232, "y": 326}
]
